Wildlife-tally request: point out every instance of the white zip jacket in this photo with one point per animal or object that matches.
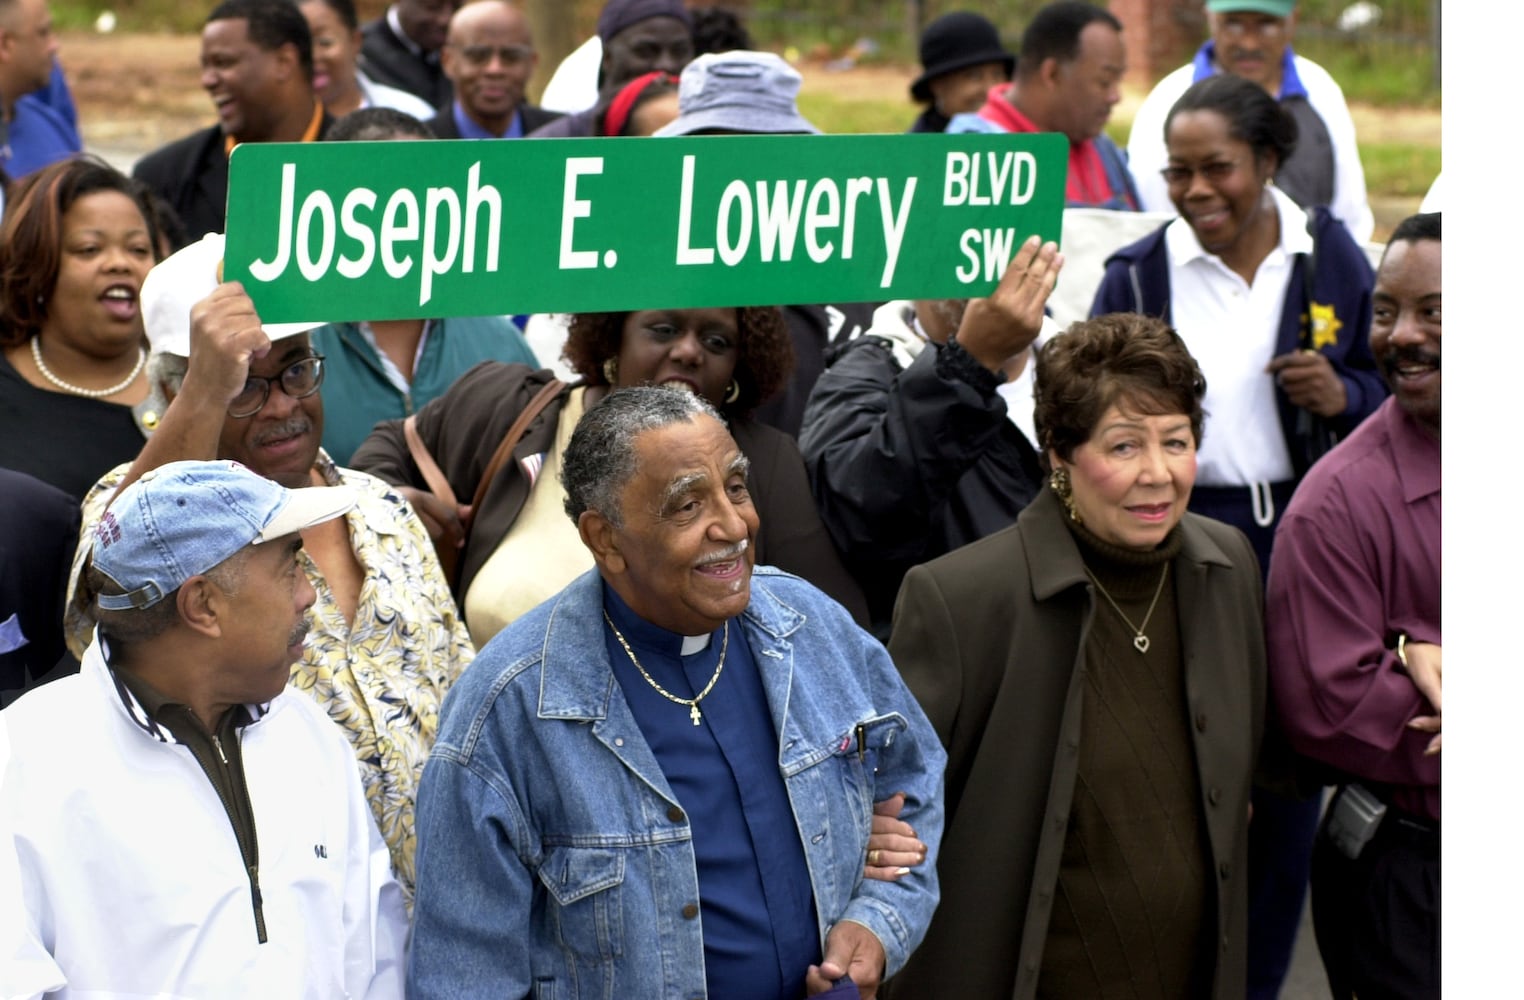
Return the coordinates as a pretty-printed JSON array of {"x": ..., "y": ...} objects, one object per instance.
[
  {"x": 1146, "y": 153},
  {"x": 131, "y": 881}
]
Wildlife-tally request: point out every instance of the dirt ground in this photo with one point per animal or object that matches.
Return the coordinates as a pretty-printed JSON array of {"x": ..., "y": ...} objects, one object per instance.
[{"x": 136, "y": 92}]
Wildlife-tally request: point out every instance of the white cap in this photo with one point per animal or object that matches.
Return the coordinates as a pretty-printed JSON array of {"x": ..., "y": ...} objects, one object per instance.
[{"x": 180, "y": 281}]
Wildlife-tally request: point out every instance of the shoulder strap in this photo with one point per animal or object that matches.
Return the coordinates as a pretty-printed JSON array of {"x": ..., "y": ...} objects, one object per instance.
[
  {"x": 1309, "y": 270},
  {"x": 433, "y": 476},
  {"x": 512, "y": 438}
]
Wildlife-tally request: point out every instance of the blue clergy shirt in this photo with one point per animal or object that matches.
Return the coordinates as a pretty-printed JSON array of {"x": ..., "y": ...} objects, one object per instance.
[{"x": 756, "y": 904}]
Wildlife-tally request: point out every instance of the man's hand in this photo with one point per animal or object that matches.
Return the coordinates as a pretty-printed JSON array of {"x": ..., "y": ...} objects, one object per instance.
[
  {"x": 851, "y": 950},
  {"x": 226, "y": 335},
  {"x": 893, "y": 848},
  {"x": 1310, "y": 382},
  {"x": 1425, "y": 666},
  {"x": 1005, "y": 324},
  {"x": 438, "y": 518}
]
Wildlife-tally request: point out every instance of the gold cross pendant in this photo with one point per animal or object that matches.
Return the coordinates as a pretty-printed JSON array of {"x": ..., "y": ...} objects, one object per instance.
[{"x": 694, "y": 714}]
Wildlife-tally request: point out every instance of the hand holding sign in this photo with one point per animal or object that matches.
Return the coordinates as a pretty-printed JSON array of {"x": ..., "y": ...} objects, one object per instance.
[
  {"x": 1006, "y": 323},
  {"x": 465, "y": 228},
  {"x": 226, "y": 335}
]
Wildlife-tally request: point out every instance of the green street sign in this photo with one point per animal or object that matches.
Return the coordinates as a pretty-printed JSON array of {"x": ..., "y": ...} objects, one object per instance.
[{"x": 392, "y": 230}]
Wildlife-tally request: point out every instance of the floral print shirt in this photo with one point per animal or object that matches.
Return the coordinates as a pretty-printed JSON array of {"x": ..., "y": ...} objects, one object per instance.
[{"x": 383, "y": 678}]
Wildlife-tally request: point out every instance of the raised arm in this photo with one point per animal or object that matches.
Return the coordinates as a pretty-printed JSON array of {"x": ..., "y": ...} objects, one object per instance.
[{"x": 885, "y": 447}]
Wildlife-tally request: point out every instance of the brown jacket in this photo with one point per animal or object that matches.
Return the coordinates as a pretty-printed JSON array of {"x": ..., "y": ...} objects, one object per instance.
[
  {"x": 463, "y": 428},
  {"x": 991, "y": 640}
]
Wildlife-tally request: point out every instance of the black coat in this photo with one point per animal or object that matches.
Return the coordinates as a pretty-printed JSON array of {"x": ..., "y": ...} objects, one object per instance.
[
  {"x": 37, "y": 539},
  {"x": 908, "y": 464},
  {"x": 443, "y": 124},
  {"x": 992, "y": 640},
  {"x": 191, "y": 174},
  {"x": 385, "y": 58}
]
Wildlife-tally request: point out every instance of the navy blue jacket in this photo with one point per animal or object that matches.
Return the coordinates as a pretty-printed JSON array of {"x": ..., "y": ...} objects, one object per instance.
[{"x": 1137, "y": 280}]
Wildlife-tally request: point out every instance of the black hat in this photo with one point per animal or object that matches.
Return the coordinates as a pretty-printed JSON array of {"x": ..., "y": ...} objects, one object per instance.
[
  {"x": 954, "y": 41},
  {"x": 618, "y": 15}
]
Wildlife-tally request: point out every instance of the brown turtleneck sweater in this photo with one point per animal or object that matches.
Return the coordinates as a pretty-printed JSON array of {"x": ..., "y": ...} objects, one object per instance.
[{"x": 1133, "y": 899}]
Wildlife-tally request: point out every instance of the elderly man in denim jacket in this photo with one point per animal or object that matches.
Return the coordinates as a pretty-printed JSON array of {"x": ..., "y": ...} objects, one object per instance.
[{"x": 661, "y": 782}]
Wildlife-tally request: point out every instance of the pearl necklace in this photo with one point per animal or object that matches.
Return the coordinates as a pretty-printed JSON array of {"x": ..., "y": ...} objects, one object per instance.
[{"x": 79, "y": 390}]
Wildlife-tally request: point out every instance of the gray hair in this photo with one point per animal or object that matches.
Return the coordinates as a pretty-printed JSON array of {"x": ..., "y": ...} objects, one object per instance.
[
  {"x": 600, "y": 459},
  {"x": 165, "y": 370}
]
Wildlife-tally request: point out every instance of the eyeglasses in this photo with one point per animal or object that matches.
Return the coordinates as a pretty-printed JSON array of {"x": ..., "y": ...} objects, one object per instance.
[
  {"x": 300, "y": 379},
  {"x": 481, "y": 55},
  {"x": 1213, "y": 173}
]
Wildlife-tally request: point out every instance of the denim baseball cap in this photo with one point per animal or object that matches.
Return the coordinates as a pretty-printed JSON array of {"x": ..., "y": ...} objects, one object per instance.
[
  {"x": 184, "y": 518},
  {"x": 1275, "y": 8},
  {"x": 738, "y": 91},
  {"x": 177, "y": 283}
]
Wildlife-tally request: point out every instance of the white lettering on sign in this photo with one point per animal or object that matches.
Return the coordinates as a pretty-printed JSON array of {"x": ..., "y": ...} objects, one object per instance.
[
  {"x": 686, "y": 253},
  {"x": 778, "y": 218},
  {"x": 356, "y": 267},
  {"x": 1011, "y": 174},
  {"x": 772, "y": 211},
  {"x": 317, "y": 203},
  {"x": 894, "y": 225},
  {"x": 399, "y": 224},
  {"x": 998, "y": 245},
  {"x": 573, "y": 208},
  {"x": 818, "y": 218},
  {"x": 316, "y": 222}
]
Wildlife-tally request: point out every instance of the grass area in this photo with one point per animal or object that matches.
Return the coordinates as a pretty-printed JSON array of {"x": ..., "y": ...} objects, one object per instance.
[
  {"x": 838, "y": 115},
  {"x": 1383, "y": 78},
  {"x": 1395, "y": 169},
  {"x": 131, "y": 15}
]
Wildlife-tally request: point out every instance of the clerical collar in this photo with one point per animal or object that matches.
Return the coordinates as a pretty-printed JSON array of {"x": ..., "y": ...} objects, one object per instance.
[{"x": 642, "y": 634}]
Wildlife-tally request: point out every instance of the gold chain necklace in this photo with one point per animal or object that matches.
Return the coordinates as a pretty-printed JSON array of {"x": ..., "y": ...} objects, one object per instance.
[
  {"x": 1139, "y": 640},
  {"x": 692, "y": 703}
]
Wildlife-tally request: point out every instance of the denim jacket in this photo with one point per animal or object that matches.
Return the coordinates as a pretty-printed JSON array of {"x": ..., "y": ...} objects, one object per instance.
[{"x": 554, "y": 860}]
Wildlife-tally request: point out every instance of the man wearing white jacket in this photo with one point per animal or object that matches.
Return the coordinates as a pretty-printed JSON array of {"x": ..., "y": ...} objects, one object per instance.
[
  {"x": 179, "y": 824},
  {"x": 1252, "y": 39}
]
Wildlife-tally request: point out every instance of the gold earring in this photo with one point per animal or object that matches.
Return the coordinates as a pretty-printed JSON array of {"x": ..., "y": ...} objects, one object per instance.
[
  {"x": 611, "y": 370},
  {"x": 1059, "y": 483},
  {"x": 734, "y": 392}
]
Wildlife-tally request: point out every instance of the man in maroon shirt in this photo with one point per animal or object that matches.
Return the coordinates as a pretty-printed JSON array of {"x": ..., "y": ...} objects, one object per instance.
[{"x": 1353, "y": 624}]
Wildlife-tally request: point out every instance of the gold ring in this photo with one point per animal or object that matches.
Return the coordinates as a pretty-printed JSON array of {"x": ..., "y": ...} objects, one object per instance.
[{"x": 873, "y": 857}]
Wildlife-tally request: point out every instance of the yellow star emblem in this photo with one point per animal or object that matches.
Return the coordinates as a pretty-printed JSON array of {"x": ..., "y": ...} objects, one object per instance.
[{"x": 1325, "y": 325}]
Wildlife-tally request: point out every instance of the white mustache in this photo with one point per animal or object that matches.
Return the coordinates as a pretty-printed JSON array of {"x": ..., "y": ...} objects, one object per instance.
[{"x": 726, "y": 554}]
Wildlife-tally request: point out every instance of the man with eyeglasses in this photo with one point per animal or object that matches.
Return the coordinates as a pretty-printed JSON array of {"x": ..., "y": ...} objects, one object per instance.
[
  {"x": 1252, "y": 39},
  {"x": 489, "y": 56},
  {"x": 386, "y": 641}
]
